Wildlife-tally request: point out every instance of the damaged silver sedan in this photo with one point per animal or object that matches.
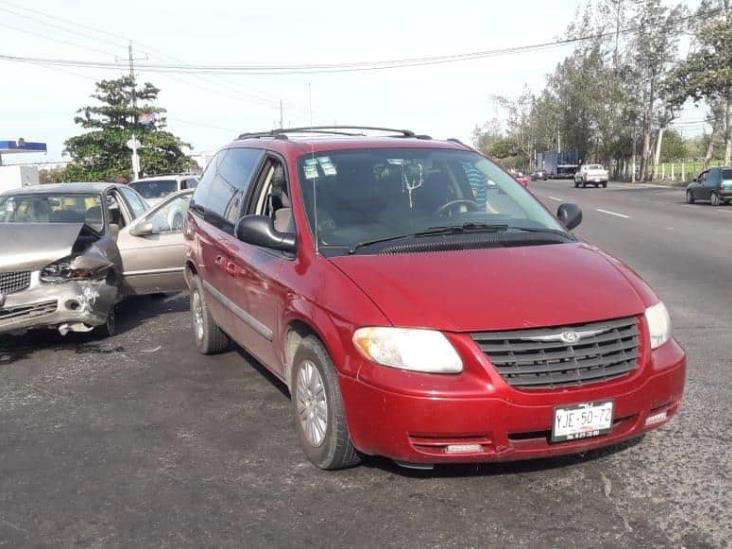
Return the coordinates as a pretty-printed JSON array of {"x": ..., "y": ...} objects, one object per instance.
[{"x": 70, "y": 252}]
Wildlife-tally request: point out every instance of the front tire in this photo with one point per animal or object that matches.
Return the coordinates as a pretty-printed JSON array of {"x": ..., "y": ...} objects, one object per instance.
[
  {"x": 714, "y": 200},
  {"x": 209, "y": 338},
  {"x": 689, "y": 197},
  {"x": 317, "y": 408},
  {"x": 109, "y": 328}
]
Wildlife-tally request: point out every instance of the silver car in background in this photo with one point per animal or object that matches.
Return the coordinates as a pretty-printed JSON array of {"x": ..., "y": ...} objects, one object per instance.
[
  {"x": 155, "y": 189},
  {"x": 70, "y": 252}
]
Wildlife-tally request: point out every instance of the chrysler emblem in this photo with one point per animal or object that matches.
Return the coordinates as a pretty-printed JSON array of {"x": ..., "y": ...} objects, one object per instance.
[{"x": 570, "y": 336}]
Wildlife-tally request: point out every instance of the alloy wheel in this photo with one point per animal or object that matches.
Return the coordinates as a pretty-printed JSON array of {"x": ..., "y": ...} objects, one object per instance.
[
  {"x": 312, "y": 405},
  {"x": 197, "y": 308}
]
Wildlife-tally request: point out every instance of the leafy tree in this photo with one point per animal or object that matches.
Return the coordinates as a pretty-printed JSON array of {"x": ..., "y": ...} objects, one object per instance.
[
  {"x": 706, "y": 75},
  {"x": 673, "y": 147},
  {"x": 101, "y": 154}
]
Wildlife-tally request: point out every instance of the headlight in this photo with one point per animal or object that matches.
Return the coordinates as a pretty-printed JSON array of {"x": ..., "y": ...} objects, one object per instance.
[
  {"x": 408, "y": 349},
  {"x": 659, "y": 324},
  {"x": 64, "y": 269}
]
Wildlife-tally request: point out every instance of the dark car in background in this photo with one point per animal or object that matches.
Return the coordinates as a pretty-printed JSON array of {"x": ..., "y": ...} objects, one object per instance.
[{"x": 713, "y": 185}]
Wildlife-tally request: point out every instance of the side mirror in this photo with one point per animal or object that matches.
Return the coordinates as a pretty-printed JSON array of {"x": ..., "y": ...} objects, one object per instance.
[
  {"x": 259, "y": 230},
  {"x": 570, "y": 215},
  {"x": 142, "y": 229}
]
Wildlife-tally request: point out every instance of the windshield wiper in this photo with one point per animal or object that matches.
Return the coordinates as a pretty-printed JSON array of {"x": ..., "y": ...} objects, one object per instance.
[{"x": 432, "y": 231}]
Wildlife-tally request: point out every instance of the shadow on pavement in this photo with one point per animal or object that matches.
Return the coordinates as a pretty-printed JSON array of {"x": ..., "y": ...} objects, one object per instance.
[
  {"x": 497, "y": 469},
  {"x": 132, "y": 312}
]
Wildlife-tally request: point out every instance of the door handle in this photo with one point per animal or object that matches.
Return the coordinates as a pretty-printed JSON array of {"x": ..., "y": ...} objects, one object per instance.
[{"x": 219, "y": 260}]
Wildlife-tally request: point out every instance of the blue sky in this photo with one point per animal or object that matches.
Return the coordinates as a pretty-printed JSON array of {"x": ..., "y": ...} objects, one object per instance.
[{"x": 39, "y": 103}]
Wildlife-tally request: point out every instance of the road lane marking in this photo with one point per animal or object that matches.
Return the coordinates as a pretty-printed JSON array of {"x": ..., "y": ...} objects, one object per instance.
[
  {"x": 616, "y": 214},
  {"x": 556, "y": 198},
  {"x": 725, "y": 211}
]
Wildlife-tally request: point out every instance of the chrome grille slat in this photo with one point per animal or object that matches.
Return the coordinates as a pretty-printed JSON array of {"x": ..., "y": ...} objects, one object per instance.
[
  {"x": 13, "y": 282},
  {"x": 569, "y": 353},
  {"x": 611, "y": 349},
  {"x": 7, "y": 316},
  {"x": 533, "y": 332},
  {"x": 535, "y": 345}
]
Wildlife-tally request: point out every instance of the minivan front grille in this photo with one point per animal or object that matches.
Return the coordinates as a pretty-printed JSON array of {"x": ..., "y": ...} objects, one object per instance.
[
  {"x": 13, "y": 282},
  {"x": 567, "y": 355}
]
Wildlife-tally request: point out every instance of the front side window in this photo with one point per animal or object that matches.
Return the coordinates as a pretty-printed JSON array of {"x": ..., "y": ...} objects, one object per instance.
[
  {"x": 137, "y": 204},
  {"x": 352, "y": 197},
  {"x": 155, "y": 189},
  {"x": 169, "y": 217},
  {"x": 223, "y": 187},
  {"x": 53, "y": 208}
]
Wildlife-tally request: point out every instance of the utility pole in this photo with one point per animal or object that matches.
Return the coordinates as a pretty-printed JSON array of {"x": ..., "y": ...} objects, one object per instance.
[
  {"x": 133, "y": 143},
  {"x": 617, "y": 33}
]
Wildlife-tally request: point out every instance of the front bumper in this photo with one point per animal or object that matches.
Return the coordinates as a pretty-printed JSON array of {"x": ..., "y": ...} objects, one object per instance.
[
  {"x": 416, "y": 425},
  {"x": 49, "y": 305}
]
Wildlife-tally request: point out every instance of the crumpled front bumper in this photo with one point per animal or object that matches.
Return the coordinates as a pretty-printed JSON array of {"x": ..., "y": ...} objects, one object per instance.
[{"x": 50, "y": 305}]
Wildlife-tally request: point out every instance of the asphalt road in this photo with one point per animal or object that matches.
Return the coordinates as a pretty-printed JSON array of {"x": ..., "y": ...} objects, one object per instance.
[{"x": 139, "y": 441}]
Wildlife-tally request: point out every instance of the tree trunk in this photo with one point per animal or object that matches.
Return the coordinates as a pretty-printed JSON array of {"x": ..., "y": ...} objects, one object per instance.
[
  {"x": 710, "y": 146},
  {"x": 728, "y": 133},
  {"x": 657, "y": 153}
]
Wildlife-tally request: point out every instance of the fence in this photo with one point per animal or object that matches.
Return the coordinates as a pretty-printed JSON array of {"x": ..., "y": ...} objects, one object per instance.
[{"x": 676, "y": 171}]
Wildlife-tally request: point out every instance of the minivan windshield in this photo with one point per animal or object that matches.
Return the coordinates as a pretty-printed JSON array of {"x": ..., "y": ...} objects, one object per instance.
[
  {"x": 157, "y": 188},
  {"x": 356, "y": 197}
]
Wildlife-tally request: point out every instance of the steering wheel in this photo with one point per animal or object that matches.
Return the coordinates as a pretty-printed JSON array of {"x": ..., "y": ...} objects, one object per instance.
[{"x": 446, "y": 209}]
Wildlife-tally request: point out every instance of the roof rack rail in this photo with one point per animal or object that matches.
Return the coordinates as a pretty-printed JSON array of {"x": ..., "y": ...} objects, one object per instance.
[{"x": 281, "y": 133}]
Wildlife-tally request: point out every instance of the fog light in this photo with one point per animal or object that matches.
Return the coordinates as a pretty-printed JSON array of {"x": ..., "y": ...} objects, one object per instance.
[
  {"x": 660, "y": 417},
  {"x": 463, "y": 448}
]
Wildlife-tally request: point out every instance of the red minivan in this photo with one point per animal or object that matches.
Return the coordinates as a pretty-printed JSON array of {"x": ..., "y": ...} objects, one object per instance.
[{"x": 420, "y": 304}]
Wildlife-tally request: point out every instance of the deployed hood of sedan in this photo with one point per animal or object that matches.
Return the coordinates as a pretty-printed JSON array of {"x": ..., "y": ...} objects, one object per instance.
[
  {"x": 495, "y": 289},
  {"x": 32, "y": 246}
]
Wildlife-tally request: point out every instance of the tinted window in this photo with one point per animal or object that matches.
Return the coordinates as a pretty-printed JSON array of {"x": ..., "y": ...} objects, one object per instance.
[
  {"x": 727, "y": 175},
  {"x": 223, "y": 187},
  {"x": 157, "y": 188},
  {"x": 137, "y": 204},
  {"x": 363, "y": 195}
]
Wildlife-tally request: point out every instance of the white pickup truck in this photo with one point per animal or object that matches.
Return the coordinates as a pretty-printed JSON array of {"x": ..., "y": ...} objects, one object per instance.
[{"x": 591, "y": 174}]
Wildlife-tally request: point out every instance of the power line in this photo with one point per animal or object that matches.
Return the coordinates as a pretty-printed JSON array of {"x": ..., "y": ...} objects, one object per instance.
[
  {"x": 220, "y": 88},
  {"x": 358, "y": 66}
]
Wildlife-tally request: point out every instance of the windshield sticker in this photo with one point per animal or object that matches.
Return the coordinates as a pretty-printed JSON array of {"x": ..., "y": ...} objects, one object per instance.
[
  {"x": 327, "y": 165},
  {"x": 311, "y": 168}
]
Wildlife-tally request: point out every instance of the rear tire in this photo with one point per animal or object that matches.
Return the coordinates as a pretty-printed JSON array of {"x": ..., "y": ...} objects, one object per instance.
[
  {"x": 209, "y": 338},
  {"x": 317, "y": 408},
  {"x": 604, "y": 185},
  {"x": 714, "y": 200},
  {"x": 689, "y": 197}
]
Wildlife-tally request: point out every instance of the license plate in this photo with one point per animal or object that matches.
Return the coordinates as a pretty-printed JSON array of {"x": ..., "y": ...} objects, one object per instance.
[{"x": 586, "y": 420}]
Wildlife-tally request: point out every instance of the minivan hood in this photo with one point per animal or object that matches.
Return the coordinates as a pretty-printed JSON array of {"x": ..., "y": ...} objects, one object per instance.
[
  {"x": 32, "y": 246},
  {"x": 496, "y": 289}
]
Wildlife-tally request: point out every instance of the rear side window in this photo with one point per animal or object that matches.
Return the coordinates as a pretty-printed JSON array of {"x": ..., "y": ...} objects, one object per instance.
[
  {"x": 224, "y": 185},
  {"x": 727, "y": 175}
]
